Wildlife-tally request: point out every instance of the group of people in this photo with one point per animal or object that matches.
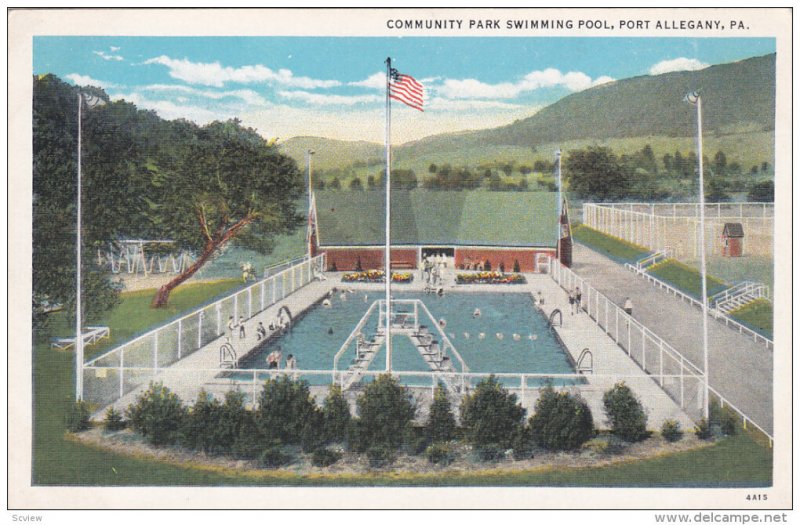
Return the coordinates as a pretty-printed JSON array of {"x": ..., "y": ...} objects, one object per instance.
[
  {"x": 575, "y": 301},
  {"x": 432, "y": 271},
  {"x": 234, "y": 326},
  {"x": 275, "y": 357}
]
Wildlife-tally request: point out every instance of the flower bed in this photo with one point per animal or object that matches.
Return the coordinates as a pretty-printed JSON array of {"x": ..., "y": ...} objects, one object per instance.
[
  {"x": 490, "y": 278},
  {"x": 376, "y": 276}
]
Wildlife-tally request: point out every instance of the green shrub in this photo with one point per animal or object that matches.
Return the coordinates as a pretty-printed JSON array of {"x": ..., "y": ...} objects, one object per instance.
[
  {"x": 671, "y": 430},
  {"x": 200, "y": 424},
  {"x": 441, "y": 425},
  {"x": 232, "y": 417},
  {"x": 325, "y": 457},
  {"x": 491, "y": 415},
  {"x": 335, "y": 415},
  {"x": 440, "y": 454},
  {"x": 273, "y": 456},
  {"x": 385, "y": 409},
  {"x": 113, "y": 421},
  {"x": 561, "y": 421},
  {"x": 490, "y": 452},
  {"x": 285, "y": 406},
  {"x": 157, "y": 415},
  {"x": 523, "y": 444},
  {"x": 381, "y": 455},
  {"x": 416, "y": 440},
  {"x": 722, "y": 421},
  {"x": 77, "y": 417},
  {"x": 625, "y": 413},
  {"x": 248, "y": 443},
  {"x": 703, "y": 430},
  {"x": 596, "y": 445},
  {"x": 312, "y": 436},
  {"x": 729, "y": 424}
]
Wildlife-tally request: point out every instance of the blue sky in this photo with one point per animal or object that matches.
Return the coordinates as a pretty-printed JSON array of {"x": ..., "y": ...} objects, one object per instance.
[{"x": 333, "y": 87}]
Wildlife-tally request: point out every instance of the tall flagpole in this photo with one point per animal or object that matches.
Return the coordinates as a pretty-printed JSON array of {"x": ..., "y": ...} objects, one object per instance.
[
  {"x": 78, "y": 242},
  {"x": 388, "y": 250},
  {"x": 703, "y": 278}
]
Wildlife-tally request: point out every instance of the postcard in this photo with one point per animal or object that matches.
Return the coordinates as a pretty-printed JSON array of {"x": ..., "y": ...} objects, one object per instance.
[{"x": 400, "y": 258}]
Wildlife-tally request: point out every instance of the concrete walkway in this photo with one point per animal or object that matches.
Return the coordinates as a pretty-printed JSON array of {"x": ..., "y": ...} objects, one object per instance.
[{"x": 740, "y": 369}]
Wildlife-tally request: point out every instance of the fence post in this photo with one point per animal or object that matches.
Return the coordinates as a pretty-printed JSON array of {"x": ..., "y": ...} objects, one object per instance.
[
  {"x": 250, "y": 302},
  {"x": 122, "y": 372},
  {"x": 274, "y": 290},
  {"x": 682, "y": 403},
  {"x": 236, "y": 307},
  {"x": 644, "y": 350},
  {"x": 522, "y": 387},
  {"x": 255, "y": 380},
  {"x": 661, "y": 361},
  {"x": 219, "y": 319},
  {"x": 200, "y": 329},
  {"x": 155, "y": 350},
  {"x": 263, "y": 288},
  {"x": 180, "y": 336}
]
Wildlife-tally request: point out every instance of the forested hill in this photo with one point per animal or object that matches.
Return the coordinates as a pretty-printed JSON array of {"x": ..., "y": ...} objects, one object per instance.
[{"x": 737, "y": 97}]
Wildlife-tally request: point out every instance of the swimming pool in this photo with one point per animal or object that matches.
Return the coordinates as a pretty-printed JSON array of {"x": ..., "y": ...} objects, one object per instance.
[{"x": 316, "y": 336}]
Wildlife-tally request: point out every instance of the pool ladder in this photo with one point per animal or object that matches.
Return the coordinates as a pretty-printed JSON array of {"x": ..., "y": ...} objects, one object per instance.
[{"x": 586, "y": 354}]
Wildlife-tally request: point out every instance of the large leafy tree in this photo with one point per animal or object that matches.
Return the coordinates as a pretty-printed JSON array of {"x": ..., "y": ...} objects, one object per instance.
[
  {"x": 229, "y": 183},
  {"x": 596, "y": 172}
]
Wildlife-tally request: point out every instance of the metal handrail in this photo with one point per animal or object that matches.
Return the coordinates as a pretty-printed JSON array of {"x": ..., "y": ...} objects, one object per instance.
[
  {"x": 353, "y": 335},
  {"x": 464, "y": 367}
]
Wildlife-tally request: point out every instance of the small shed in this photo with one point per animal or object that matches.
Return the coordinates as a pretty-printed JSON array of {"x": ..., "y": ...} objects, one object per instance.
[{"x": 732, "y": 239}]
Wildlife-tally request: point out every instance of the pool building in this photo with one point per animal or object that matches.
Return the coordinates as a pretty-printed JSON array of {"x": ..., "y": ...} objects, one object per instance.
[{"x": 470, "y": 230}]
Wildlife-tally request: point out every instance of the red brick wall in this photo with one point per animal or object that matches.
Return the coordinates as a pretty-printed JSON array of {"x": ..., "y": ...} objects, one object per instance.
[
  {"x": 346, "y": 259},
  {"x": 526, "y": 257}
]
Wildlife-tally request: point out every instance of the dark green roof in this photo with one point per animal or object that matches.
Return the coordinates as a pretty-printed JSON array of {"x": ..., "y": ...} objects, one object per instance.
[{"x": 420, "y": 217}]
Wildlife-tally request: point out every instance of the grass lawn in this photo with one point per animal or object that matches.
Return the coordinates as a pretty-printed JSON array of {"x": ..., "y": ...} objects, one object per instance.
[
  {"x": 737, "y": 461},
  {"x": 685, "y": 278},
  {"x": 612, "y": 247},
  {"x": 756, "y": 315}
]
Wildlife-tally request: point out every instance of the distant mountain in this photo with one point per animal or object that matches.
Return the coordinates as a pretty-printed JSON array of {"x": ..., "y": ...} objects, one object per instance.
[
  {"x": 330, "y": 153},
  {"x": 738, "y": 98}
]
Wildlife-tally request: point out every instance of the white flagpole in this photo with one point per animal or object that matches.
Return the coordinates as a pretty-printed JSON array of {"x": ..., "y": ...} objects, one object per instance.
[
  {"x": 558, "y": 206},
  {"x": 78, "y": 328},
  {"x": 388, "y": 250}
]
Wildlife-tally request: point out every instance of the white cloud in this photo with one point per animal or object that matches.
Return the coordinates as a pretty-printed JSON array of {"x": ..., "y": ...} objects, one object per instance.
[
  {"x": 106, "y": 56},
  {"x": 677, "y": 64},
  {"x": 471, "y": 88},
  {"x": 216, "y": 75},
  {"x": 247, "y": 95},
  {"x": 167, "y": 109},
  {"x": 85, "y": 80},
  {"x": 328, "y": 100},
  {"x": 374, "y": 81}
]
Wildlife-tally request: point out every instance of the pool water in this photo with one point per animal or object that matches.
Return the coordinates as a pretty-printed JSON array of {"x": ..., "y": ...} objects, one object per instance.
[{"x": 316, "y": 336}]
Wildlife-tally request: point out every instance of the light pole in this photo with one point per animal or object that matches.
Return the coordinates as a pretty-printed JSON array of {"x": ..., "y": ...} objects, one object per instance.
[
  {"x": 695, "y": 99},
  {"x": 309, "y": 152},
  {"x": 90, "y": 101},
  {"x": 558, "y": 206}
]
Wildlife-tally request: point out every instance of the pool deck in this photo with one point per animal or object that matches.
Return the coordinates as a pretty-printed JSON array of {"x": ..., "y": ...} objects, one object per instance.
[{"x": 201, "y": 368}]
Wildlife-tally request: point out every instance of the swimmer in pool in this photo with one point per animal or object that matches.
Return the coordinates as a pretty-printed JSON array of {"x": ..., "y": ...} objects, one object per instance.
[
  {"x": 330, "y": 331},
  {"x": 533, "y": 337},
  {"x": 442, "y": 322},
  {"x": 516, "y": 337},
  {"x": 343, "y": 296},
  {"x": 499, "y": 335},
  {"x": 476, "y": 313},
  {"x": 481, "y": 336},
  {"x": 466, "y": 335},
  {"x": 326, "y": 303}
]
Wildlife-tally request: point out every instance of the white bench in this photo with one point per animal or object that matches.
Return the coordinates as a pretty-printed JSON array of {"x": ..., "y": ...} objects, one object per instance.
[{"x": 91, "y": 335}]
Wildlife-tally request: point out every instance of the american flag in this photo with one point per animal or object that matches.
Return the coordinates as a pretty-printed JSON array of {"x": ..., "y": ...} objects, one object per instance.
[{"x": 406, "y": 89}]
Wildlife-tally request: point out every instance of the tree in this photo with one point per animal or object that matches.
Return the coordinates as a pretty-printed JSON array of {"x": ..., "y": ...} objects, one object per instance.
[
  {"x": 335, "y": 184},
  {"x": 386, "y": 409},
  {"x": 284, "y": 409},
  {"x": 441, "y": 425},
  {"x": 720, "y": 163},
  {"x": 356, "y": 185},
  {"x": 597, "y": 173},
  {"x": 432, "y": 168},
  {"x": 491, "y": 415},
  {"x": 561, "y": 421},
  {"x": 762, "y": 192},
  {"x": 371, "y": 183},
  {"x": 625, "y": 413},
  {"x": 117, "y": 179},
  {"x": 401, "y": 179},
  {"x": 229, "y": 184},
  {"x": 335, "y": 415}
]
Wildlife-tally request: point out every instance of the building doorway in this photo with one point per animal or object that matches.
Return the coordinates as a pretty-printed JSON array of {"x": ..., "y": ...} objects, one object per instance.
[{"x": 438, "y": 255}]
